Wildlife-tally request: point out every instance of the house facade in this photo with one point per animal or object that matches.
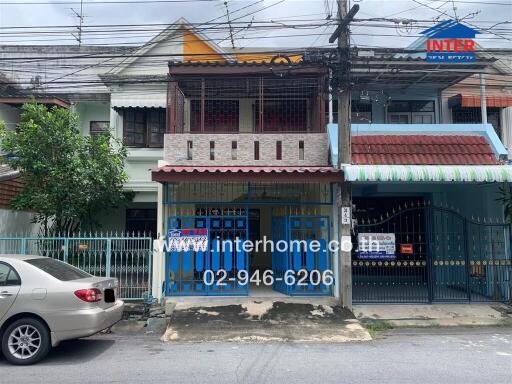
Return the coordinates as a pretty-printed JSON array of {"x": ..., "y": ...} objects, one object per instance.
[{"x": 226, "y": 145}]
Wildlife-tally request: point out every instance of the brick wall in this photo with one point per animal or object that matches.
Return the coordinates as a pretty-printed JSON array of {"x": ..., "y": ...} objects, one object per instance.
[{"x": 315, "y": 149}]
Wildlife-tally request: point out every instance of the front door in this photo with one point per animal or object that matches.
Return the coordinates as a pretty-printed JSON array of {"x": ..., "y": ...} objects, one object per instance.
[
  {"x": 301, "y": 259},
  {"x": 221, "y": 268}
]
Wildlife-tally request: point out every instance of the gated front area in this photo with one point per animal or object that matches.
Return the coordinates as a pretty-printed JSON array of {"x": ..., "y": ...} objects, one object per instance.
[
  {"x": 458, "y": 249},
  {"x": 127, "y": 257},
  {"x": 285, "y": 218}
]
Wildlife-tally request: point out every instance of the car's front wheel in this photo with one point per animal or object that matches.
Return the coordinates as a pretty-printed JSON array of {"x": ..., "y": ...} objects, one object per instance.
[{"x": 26, "y": 341}]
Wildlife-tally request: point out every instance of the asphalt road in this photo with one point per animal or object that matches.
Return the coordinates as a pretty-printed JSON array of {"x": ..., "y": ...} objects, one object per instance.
[{"x": 407, "y": 356}]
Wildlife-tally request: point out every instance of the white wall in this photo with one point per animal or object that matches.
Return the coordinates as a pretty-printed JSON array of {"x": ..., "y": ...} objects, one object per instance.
[
  {"x": 92, "y": 111},
  {"x": 17, "y": 222},
  {"x": 9, "y": 115}
]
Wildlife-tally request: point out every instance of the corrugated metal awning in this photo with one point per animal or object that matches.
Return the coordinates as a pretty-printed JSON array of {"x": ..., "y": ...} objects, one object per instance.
[
  {"x": 473, "y": 101},
  {"x": 429, "y": 173},
  {"x": 146, "y": 100},
  {"x": 249, "y": 173}
]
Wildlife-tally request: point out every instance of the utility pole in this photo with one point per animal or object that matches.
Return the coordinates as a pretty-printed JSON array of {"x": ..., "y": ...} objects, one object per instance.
[{"x": 344, "y": 194}]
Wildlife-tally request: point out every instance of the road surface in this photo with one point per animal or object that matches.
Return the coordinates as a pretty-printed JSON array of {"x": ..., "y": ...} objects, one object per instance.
[{"x": 473, "y": 355}]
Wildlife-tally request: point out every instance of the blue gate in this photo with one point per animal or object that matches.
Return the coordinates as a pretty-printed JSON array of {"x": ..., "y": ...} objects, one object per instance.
[
  {"x": 441, "y": 256},
  {"x": 300, "y": 269},
  {"x": 215, "y": 271}
]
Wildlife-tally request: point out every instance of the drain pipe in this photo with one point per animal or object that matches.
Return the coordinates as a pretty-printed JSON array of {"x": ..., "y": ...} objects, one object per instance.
[{"x": 483, "y": 99}]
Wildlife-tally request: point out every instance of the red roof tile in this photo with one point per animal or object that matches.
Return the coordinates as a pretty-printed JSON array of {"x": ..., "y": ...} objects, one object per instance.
[{"x": 422, "y": 150}]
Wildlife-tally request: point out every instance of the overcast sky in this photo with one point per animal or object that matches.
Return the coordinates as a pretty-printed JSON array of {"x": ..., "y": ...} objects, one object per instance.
[{"x": 18, "y": 13}]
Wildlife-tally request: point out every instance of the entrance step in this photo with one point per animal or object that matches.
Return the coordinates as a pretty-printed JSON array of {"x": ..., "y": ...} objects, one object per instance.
[{"x": 251, "y": 320}]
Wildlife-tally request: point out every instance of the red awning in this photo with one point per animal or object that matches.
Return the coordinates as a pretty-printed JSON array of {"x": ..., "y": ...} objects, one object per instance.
[
  {"x": 472, "y": 101},
  {"x": 170, "y": 174}
]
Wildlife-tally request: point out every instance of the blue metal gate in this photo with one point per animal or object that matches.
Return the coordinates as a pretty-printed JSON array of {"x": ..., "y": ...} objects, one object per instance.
[
  {"x": 299, "y": 259},
  {"x": 451, "y": 258},
  {"x": 185, "y": 270}
]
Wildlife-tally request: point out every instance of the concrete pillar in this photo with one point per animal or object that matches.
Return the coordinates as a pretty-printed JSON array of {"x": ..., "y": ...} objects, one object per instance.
[
  {"x": 506, "y": 128},
  {"x": 335, "y": 235}
]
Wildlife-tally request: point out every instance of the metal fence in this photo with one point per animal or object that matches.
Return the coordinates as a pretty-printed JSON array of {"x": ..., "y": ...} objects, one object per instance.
[
  {"x": 126, "y": 257},
  {"x": 448, "y": 258}
]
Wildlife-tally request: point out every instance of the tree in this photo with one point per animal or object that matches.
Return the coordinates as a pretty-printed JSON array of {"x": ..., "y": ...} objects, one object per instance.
[
  {"x": 67, "y": 177},
  {"x": 506, "y": 198}
]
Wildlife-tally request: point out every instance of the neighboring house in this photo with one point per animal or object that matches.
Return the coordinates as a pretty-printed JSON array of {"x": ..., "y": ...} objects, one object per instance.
[
  {"x": 239, "y": 146},
  {"x": 13, "y": 221},
  {"x": 462, "y": 100}
]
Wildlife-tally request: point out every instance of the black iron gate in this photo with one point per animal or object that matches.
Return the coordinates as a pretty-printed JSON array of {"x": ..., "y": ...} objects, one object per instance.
[{"x": 440, "y": 256}]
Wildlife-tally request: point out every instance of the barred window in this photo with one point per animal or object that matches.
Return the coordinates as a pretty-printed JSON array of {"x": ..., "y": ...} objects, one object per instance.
[{"x": 144, "y": 127}]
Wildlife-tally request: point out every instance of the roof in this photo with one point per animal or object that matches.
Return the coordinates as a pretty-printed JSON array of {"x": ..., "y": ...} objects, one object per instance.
[
  {"x": 7, "y": 173},
  {"x": 212, "y": 68},
  {"x": 20, "y": 100},
  {"x": 405, "y": 144},
  {"x": 422, "y": 150},
  {"x": 248, "y": 173},
  {"x": 450, "y": 29}
]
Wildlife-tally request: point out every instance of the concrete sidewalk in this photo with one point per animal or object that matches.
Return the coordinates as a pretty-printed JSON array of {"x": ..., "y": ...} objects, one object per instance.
[
  {"x": 418, "y": 315},
  {"x": 262, "y": 320}
]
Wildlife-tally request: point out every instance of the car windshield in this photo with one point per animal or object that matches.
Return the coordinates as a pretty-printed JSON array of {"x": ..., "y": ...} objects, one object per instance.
[{"x": 58, "y": 269}]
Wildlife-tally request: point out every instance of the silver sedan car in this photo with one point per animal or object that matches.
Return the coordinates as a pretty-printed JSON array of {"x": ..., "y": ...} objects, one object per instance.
[{"x": 45, "y": 301}]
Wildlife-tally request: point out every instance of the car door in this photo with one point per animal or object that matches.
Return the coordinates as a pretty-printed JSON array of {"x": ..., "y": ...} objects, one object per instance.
[{"x": 10, "y": 284}]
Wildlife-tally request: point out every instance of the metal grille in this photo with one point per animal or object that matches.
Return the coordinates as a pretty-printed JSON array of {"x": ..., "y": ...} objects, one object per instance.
[
  {"x": 127, "y": 258},
  {"x": 453, "y": 258},
  {"x": 248, "y": 104},
  {"x": 404, "y": 279},
  {"x": 185, "y": 269}
]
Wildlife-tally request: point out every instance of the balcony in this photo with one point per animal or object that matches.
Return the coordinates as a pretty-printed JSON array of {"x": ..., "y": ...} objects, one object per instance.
[{"x": 246, "y": 114}]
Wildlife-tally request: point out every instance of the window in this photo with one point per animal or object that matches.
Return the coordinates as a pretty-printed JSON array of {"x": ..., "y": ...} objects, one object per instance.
[
  {"x": 466, "y": 115},
  {"x": 283, "y": 115},
  {"x": 361, "y": 112},
  {"x": 301, "y": 150},
  {"x": 279, "y": 150},
  {"x": 212, "y": 150},
  {"x": 8, "y": 276},
  {"x": 219, "y": 115},
  {"x": 411, "y": 112},
  {"x": 141, "y": 220},
  {"x": 189, "y": 150},
  {"x": 98, "y": 127},
  {"x": 58, "y": 269},
  {"x": 234, "y": 149},
  {"x": 256, "y": 150},
  {"x": 144, "y": 127}
]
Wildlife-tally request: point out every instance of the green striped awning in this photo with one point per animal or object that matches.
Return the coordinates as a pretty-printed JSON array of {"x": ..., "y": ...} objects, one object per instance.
[{"x": 429, "y": 173}]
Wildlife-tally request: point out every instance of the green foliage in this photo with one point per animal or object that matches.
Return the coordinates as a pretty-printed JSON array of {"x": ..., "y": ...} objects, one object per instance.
[
  {"x": 505, "y": 194},
  {"x": 67, "y": 177}
]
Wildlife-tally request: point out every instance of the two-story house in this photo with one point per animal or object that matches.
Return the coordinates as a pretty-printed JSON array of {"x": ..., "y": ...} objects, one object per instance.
[{"x": 237, "y": 144}]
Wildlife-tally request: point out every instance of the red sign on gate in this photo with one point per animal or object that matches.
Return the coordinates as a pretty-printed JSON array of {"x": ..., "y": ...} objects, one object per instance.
[{"x": 406, "y": 249}]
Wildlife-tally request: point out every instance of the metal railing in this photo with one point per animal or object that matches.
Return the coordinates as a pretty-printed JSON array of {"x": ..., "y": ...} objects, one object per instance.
[{"x": 126, "y": 257}]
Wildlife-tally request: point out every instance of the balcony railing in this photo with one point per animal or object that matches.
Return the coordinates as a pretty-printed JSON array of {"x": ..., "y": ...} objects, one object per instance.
[{"x": 252, "y": 104}]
